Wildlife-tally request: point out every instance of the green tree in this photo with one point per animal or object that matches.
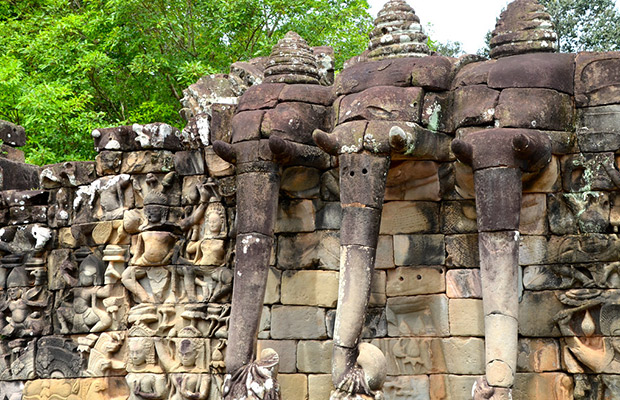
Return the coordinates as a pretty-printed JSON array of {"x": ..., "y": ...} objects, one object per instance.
[
  {"x": 585, "y": 25},
  {"x": 69, "y": 66}
]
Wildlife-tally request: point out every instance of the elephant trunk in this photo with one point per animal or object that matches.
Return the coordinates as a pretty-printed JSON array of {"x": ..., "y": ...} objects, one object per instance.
[
  {"x": 498, "y": 204},
  {"x": 362, "y": 187},
  {"x": 257, "y": 198}
]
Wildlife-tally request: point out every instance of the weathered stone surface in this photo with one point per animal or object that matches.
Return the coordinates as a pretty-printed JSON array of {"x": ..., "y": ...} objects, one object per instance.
[
  {"x": 293, "y": 386},
  {"x": 68, "y": 174},
  {"x": 495, "y": 211},
  {"x": 535, "y": 70},
  {"x": 458, "y": 217},
  {"x": 415, "y": 387},
  {"x": 587, "y": 172},
  {"x": 419, "y": 250},
  {"x": 286, "y": 349},
  {"x": 272, "y": 291},
  {"x": 418, "y": 316},
  {"x": 80, "y": 388},
  {"x": 597, "y": 79},
  {"x": 598, "y": 127},
  {"x": 314, "y": 94},
  {"x": 466, "y": 317},
  {"x": 295, "y": 216},
  {"x": 533, "y": 219},
  {"x": 523, "y": 27},
  {"x": 474, "y": 105},
  {"x": 216, "y": 166},
  {"x": 143, "y": 162},
  {"x": 548, "y": 180},
  {"x": 535, "y": 108},
  {"x": 407, "y": 281},
  {"x": 384, "y": 258},
  {"x": 382, "y": 103},
  {"x": 295, "y": 121},
  {"x": 189, "y": 162},
  {"x": 413, "y": 180},
  {"x": 536, "y": 314},
  {"x": 359, "y": 226},
  {"x": 221, "y": 122},
  {"x": 108, "y": 162},
  {"x": 298, "y": 322},
  {"x": 543, "y": 386},
  {"x": 246, "y": 126},
  {"x": 462, "y": 251},
  {"x": 409, "y": 217},
  {"x": 301, "y": 182},
  {"x": 319, "y": 386},
  {"x": 463, "y": 283},
  {"x": 451, "y": 387},
  {"x": 314, "y": 357},
  {"x": 427, "y": 72},
  {"x": 328, "y": 215},
  {"x": 538, "y": 355},
  {"x": 378, "y": 296},
  {"x": 587, "y": 212},
  {"x": 309, "y": 251},
  {"x": 260, "y": 96},
  {"x": 436, "y": 114},
  {"x": 312, "y": 288},
  {"x": 12, "y": 134},
  {"x": 463, "y": 356},
  {"x": 475, "y": 73}
]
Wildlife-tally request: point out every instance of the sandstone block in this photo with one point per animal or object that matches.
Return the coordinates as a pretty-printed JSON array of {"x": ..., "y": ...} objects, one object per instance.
[
  {"x": 413, "y": 180},
  {"x": 384, "y": 258},
  {"x": 543, "y": 386},
  {"x": 474, "y": 105},
  {"x": 301, "y": 182},
  {"x": 416, "y": 387},
  {"x": 419, "y": 250},
  {"x": 314, "y": 357},
  {"x": 143, "y": 162},
  {"x": 309, "y": 250},
  {"x": 12, "y": 134},
  {"x": 597, "y": 80},
  {"x": 587, "y": 172},
  {"x": 293, "y": 386},
  {"x": 108, "y": 162},
  {"x": 382, "y": 103},
  {"x": 378, "y": 295},
  {"x": 535, "y": 70},
  {"x": 451, "y": 387},
  {"x": 536, "y": 313},
  {"x": 409, "y": 217},
  {"x": 463, "y": 356},
  {"x": 538, "y": 355},
  {"x": 466, "y": 317},
  {"x": 319, "y": 386},
  {"x": 535, "y": 109},
  {"x": 298, "y": 322},
  {"x": 375, "y": 323},
  {"x": 272, "y": 292},
  {"x": 260, "y": 96},
  {"x": 295, "y": 216},
  {"x": 462, "y": 251},
  {"x": 598, "y": 128},
  {"x": 312, "y": 288},
  {"x": 463, "y": 283},
  {"x": 418, "y": 316},
  {"x": 476, "y": 73},
  {"x": 328, "y": 215},
  {"x": 286, "y": 349},
  {"x": 406, "y": 281},
  {"x": 189, "y": 162},
  {"x": 458, "y": 217}
]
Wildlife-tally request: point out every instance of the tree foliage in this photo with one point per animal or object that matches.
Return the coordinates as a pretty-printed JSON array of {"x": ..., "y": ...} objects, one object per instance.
[
  {"x": 585, "y": 25},
  {"x": 69, "y": 66}
]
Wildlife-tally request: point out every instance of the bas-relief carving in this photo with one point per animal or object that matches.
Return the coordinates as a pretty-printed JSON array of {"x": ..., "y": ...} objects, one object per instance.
[
  {"x": 24, "y": 311},
  {"x": 106, "y": 198},
  {"x": 58, "y": 357},
  {"x": 17, "y": 359},
  {"x": 590, "y": 328},
  {"x": 106, "y": 357},
  {"x": 76, "y": 389}
]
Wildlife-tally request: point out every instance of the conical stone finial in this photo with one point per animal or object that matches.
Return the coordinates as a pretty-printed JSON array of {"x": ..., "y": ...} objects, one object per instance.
[
  {"x": 524, "y": 27},
  {"x": 397, "y": 33},
  {"x": 292, "y": 61}
]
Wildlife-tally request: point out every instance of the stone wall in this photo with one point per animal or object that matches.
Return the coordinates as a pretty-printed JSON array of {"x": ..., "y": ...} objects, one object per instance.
[{"x": 116, "y": 275}]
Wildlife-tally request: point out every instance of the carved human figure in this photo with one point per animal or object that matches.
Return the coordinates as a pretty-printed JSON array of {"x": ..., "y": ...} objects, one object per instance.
[
  {"x": 88, "y": 308},
  {"x": 210, "y": 250},
  {"x": 147, "y": 386},
  {"x": 159, "y": 283},
  {"x": 190, "y": 383},
  {"x": 21, "y": 308}
]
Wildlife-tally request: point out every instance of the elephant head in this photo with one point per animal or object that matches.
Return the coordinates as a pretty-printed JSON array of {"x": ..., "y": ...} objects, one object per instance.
[{"x": 272, "y": 128}]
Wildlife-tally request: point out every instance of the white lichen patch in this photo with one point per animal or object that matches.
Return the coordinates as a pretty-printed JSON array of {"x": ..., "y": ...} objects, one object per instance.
[{"x": 41, "y": 235}]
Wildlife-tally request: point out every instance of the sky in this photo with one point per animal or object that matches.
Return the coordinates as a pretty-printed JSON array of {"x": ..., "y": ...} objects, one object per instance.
[{"x": 465, "y": 21}]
